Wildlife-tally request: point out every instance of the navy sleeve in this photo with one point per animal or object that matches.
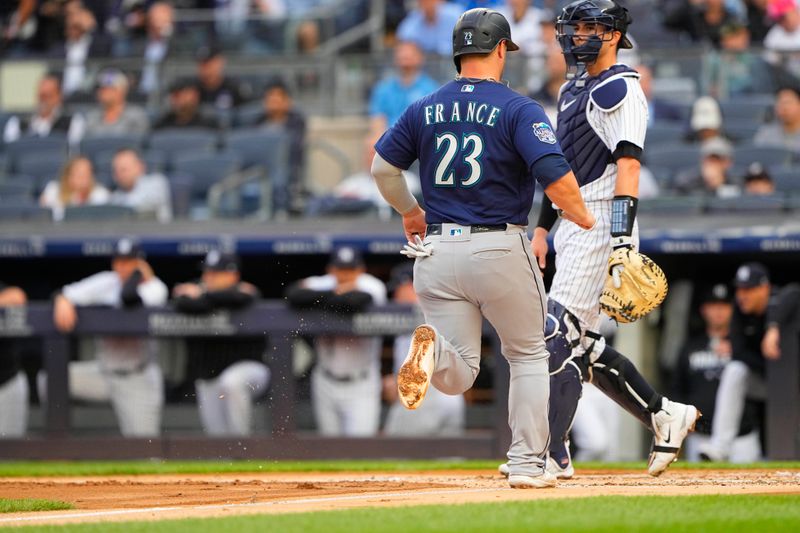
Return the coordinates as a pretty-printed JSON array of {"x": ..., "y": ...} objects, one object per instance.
[
  {"x": 535, "y": 138},
  {"x": 398, "y": 144}
]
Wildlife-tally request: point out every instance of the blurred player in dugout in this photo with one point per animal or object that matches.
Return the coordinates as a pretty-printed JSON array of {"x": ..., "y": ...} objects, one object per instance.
[
  {"x": 440, "y": 414},
  {"x": 13, "y": 383},
  {"x": 346, "y": 380},
  {"x": 229, "y": 373},
  {"x": 124, "y": 370}
]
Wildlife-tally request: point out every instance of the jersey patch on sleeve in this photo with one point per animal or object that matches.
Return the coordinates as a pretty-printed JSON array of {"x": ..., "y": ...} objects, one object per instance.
[
  {"x": 609, "y": 95},
  {"x": 544, "y": 132}
]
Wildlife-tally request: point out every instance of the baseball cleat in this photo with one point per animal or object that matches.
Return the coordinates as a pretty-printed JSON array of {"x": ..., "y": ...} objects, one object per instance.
[
  {"x": 415, "y": 375},
  {"x": 546, "y": 480},
  {"x": 671, "y": 425},
  {"x": 503, "y": 469},
  {"x": 558, "y": 471}
]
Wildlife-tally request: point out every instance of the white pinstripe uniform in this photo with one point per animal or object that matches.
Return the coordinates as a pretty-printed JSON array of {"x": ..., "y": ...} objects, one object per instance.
[{"x": 582, "y": 256}]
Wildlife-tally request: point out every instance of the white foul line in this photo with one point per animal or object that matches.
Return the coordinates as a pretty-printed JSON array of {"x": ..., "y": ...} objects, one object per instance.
[{"x": 299, "y": 501}]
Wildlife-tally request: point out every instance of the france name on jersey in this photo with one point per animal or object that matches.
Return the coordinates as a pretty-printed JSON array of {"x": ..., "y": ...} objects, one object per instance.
[{"x": 477, "y": 143}]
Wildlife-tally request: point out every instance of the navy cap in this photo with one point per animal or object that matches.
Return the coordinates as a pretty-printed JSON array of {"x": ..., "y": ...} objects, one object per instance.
[
  {"x": 128, "y": 248},
  {"x": 217, "y": 261},
  {"x": 400, "y": 275},
  {"x": 751, "y": 275},
  {"x": 346, "y": 257},
  {"x": 719, "y": 293},
  {"x": 205, "y": 53}
]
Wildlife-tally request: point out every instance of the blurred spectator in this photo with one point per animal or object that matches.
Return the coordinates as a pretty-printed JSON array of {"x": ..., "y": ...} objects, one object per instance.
[
  {"x": 697, "y": 378},
  {"x": 525, "y": 22},
  {"x": 702, "y": 20},
  {"x": 430, "y": 26},
  {"x": 308, "y": 38},
  {"x": 48, "y": 118},
  {"x": 216, "y": 89},
  {"x": 784, "y": 132},
  {"x": 735, "y": 70},
  {"x": 13, "y": 382},
  {"x": 184, "y": 108},
  {"x": 785, "y": 34},
  {"x": 713, "y": 175},
  {"x": 706, "y": 120},
  {"x": 155, "y": 47},
  {"x": 124, "y": 369},
  {"x": 115, "y": 116},
  {"x": 281, "y": 113},
  {"x": 17, "y": 24},
  {"x": 659, "y": 109},
  {"x": 346, "y": 381},
  {"x": 472, "y": 4},
  {"x": 757, "y": 181},
  {"x": 76, "y": 186},
  {"x": 358, "y": 192},
  {"x": 556, "y": 69},
  {"x": 80, "y": 44},
  {"x": 757, "y": 20},
  {"x": 440, "y": 414},
  {"x": 231, "y": 16},
  {"x": 147, "y": 194},
  {"x": 228, "y": 372},
  {"x": 755, "y": 332},
  {"x": 393, "y": 94}
]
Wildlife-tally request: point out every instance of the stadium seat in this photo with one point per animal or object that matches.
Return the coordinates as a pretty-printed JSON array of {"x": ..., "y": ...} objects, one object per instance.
[
  {"x": 248, "y": 115},
  {"x": 53, "y": 144},
  {"x": 667, "y": 205},
  {"x": 741, "y": 131},
  {"x": 188, "y": 140},
  {"x": 754, "y": 108},
  {"x": 769, "y": 156},
  {"x": 786, "y": 179},
  {"x": 19, "y": 191},
  {"x": 206, "y": 169},
  {"x": 673, "y": 157},
  {"x": 98, "y": 212},
  {"x": 91, "y": 147},
  {"x": 42, "y": 167},
  {"x": 745, "y": 204},
  {"x": 664, "y": 133},
  {"x": 25, "y": 213},
  {"x": 256, "y": 146}
]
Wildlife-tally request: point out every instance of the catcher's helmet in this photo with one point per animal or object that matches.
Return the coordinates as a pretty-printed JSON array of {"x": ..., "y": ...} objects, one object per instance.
[
  {"x": 478, "y": 31},
  {"x": 606, "y": 12}
]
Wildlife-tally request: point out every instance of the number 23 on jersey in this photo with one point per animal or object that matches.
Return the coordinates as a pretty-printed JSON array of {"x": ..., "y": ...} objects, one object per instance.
[{"x": 468, "y": 149}]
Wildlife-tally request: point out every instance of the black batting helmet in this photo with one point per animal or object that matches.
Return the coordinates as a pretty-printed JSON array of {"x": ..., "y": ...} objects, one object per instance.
[{"x": 478, "y": 31}]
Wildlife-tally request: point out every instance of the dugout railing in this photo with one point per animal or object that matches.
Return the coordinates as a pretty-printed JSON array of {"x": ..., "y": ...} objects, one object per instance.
[{"x": 282, "y": 325}]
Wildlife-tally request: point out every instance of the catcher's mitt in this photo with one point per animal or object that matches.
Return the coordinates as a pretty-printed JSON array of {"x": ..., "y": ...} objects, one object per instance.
[{"x": 635, "y": 286}]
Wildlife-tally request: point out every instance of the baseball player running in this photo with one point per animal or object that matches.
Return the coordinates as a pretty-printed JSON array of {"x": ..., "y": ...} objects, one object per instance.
[
  {"x": 481, "y": 147},
  {"x": 602, "y": 118}
]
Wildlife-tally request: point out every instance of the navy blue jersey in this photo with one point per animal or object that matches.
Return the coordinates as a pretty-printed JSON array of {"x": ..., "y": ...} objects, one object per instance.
[{"x": 478, "y": 144}]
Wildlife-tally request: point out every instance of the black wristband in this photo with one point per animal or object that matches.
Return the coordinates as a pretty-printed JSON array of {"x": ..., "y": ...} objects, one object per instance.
[
  {"x": 623, "y": 213},
  {"x": 627, "y": 149},
  {"x": 547, "y": 215}
]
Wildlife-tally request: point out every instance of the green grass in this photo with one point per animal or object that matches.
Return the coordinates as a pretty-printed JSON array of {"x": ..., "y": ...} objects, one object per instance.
[
  {"x": 58, "y": 468},
  {"x": 29, "y": 505},
  {"x": 706, "y": 514}
]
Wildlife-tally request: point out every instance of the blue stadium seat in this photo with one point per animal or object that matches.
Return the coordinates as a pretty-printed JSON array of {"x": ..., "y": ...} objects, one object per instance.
[
  {"x": 42, "y": 167},
  {"x": 746, "y": 204},
  {"x": 668, "y": 205},
  {"x": 754, "y": 108},
  {"x": 664, "y": 133},
  {"x": 786, "y": 179},
  {"x": 672, "y": 158},
  {"x": 92, "y": 147},
  {"x": 18, "y": 191},
  {"x": 98, "y": 212},
  {"x": 25, "y": 213},
  {"x": 741, "y": 131},
  {"x": 248, "y": 115},
  {"x": 54, "y": 144},
  {"x": 206, "y": 169},
  {"x": 187, "y": 140},
  {"x": 768, "y": 156},
  {"x": 256, "y": 146}
]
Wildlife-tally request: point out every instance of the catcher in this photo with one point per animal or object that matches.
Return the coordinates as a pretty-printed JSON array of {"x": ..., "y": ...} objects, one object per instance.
[{"x": 602, "y": 118}]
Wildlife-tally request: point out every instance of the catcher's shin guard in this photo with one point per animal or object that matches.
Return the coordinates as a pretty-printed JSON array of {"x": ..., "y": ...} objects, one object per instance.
[
  {"x": 566, "y": 388},
  {"x": 562, "y": 333},
  {"x": 618, "y": 378}
]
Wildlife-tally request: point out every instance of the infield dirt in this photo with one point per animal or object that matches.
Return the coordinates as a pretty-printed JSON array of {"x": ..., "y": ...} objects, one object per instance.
[{"x": 157, "y": 497}]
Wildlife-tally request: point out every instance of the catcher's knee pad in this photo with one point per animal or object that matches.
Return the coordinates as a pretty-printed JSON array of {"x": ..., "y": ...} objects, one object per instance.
[
  {"x": 610, "y": 374},
  {"x": 562, "y": 333},
  {"x": 566, "y": 388}
]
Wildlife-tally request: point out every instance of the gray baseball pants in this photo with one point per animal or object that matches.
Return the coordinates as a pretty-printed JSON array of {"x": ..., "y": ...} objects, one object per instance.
[{"x": 492, "y": 275}]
